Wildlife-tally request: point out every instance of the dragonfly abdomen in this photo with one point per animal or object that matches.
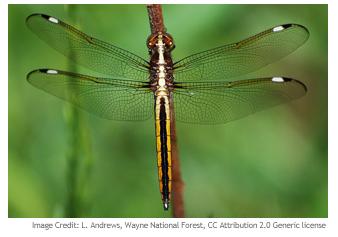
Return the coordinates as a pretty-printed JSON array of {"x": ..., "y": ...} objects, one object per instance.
[{"x": 163, "y": 146}]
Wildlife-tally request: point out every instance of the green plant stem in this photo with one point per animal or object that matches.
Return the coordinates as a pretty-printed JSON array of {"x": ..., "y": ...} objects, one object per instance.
[{"x": 79, "y": 157}]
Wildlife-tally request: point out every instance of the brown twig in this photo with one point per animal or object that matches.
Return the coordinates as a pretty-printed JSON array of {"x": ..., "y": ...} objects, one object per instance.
[
  {"x": 178, "y": 185},
  {"x": 157, "y": 25},
  {"x": 155, "y": 18}
]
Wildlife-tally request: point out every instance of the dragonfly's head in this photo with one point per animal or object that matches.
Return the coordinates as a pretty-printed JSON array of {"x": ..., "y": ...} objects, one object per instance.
[{"x": 166, "y": 39}]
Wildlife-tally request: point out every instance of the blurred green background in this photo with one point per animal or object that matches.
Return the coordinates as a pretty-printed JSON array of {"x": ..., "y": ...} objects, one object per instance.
[{"x": 65, "y": 162}]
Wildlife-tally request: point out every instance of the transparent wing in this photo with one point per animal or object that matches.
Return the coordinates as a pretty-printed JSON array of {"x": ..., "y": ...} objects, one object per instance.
[
  {"x": 243, "y": 57},
  {"x": 86, "y": 51},
  {"x": 108, "y": 98},
  {"x": 222, "y": 102}
]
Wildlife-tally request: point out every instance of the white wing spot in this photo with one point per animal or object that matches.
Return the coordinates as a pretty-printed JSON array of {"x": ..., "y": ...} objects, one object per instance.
[
  {"x": 52, "y": 19},
  {"x": 277, "y": 79},
  {"x": 278, "y": 28},
  {"x": 52, "y": 71}
]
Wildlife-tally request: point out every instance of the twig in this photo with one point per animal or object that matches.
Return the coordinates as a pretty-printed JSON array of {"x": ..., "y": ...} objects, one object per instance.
[
  {"x": 155, "y": 18},
  {"x": 178, "y": 185},
  {"x": 157, "y": 25}
]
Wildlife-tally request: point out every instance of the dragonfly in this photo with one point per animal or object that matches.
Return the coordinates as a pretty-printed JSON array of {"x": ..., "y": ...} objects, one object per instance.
[{"x": 139, "y": 89}]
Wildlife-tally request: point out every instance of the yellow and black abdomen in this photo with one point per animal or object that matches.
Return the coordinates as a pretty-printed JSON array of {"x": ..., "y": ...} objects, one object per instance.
[{"x": 163, "y": 146}]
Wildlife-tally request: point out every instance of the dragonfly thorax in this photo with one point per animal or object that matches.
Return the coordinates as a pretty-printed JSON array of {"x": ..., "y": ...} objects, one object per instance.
[{"x": 161, "y": 64}]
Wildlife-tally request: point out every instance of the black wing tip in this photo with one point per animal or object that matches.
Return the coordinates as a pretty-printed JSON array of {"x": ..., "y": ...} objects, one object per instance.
[
  {"x": 47, "y": 17},
  {"x": 48, "y": 71},
  {"x": 40, "y": 70},
  {"x": 28, "y": 77},
  {"x": 288, "y": 79},
  {"x": 285, "y": 26},
  {"x": 32, "y": 72},
  {"x": 33, "y": 15},
  {"x": 38, "y": 14},
  {"x": 302, "y": 84}
]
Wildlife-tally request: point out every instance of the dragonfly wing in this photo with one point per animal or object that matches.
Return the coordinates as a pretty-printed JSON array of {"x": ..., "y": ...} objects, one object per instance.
[
  {"x": 87, "y": 51},
  {"x": 222, "y": 102},
  {"x": 108, "y": 98},
  {"x": 243, "y": 57}
]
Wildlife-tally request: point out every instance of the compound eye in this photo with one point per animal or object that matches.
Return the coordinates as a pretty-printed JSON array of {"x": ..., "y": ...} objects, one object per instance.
[{"x": 149, "y": 51}]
